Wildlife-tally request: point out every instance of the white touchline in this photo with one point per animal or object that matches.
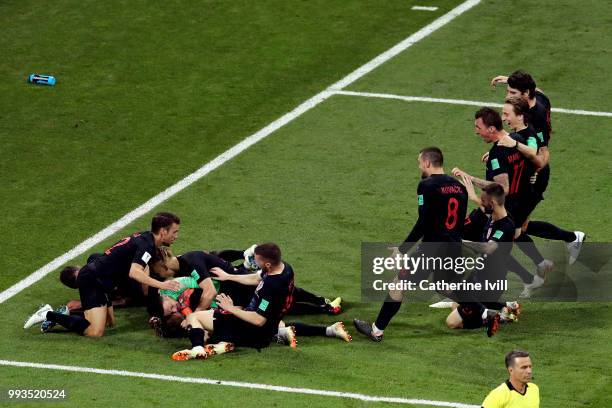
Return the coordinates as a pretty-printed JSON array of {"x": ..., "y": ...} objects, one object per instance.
[
  {"x": 461, "y": 102},
  {"x": 234, "y": 151},
  {"x": 424, "y": 8},
  {"x": 239, "y": 384}
]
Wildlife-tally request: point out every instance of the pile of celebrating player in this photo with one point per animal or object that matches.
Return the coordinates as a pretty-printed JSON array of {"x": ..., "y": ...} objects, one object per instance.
[{"x": 239, "y": 298}]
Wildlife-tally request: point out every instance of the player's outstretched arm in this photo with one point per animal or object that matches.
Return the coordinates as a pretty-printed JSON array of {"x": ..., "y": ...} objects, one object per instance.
[
  {"x": 500, "y": 79},
  {"x": 226, "y": 303},
  {"x": 481, "y": 247},
  {"x": 250, "y": 279},
  {"x": 480, "y": 183},
  {"x": 137, "y": 273},
  {"x": 529, "y": 150},
  {"x": 469, "y": 186},
  {"x": 208, "y": 294}
]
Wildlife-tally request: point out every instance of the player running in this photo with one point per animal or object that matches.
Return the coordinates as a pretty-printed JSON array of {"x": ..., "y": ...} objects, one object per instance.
[
  {"x": 442, "y": 202},
  {"x": 521, "y": 84},
  {"x": 95, "y": 281},
  {"x": 509, "y": 168}
]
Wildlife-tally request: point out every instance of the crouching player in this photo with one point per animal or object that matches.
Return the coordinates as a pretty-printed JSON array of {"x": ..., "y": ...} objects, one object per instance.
[
  {"x": 128, "y": 258},
  {"x": 230, "y": 326},
  {"x": 472, "y": 311}
]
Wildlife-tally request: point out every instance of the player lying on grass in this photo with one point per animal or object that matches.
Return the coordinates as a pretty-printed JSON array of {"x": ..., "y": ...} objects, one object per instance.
[
  {"x": 254, "y": 326},
  {"x": 128, "y": 257},
  {"x": 304, "y": 302},
  {"x": 470, "y": 312},
  {"x": 521, "y": 84},
  {"x": 442, "y": 202},
  {"x": 509, "y": 168},
  {"x": 127, "y": 293},
  {"x": 175, "y": 305},
  {"x": 130, "y": 293}
]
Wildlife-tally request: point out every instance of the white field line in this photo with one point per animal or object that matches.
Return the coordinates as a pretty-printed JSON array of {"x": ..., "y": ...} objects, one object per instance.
[
  {"x": 238, "y": 384},
  {"x": 461, "y": 102},
  {"x": 233, "y": 152},
  {"x": 424, "y": 8},
  {"x": 407, "y": 43}
]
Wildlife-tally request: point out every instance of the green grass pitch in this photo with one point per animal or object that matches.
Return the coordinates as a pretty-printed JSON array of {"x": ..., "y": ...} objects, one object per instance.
[{"x": 148, "y": 92}]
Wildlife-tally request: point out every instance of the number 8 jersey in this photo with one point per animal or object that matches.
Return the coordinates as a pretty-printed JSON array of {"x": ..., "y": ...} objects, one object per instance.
[{"x": 442, "y": 204}]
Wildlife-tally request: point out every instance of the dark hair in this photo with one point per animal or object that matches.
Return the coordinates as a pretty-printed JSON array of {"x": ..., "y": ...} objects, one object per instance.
[
  {"x": 496, "y": 191},
  {"x": 68, "y": 276},
  {"x": 171, "y": 326},
  {"x": 514, "y": 354},
  {"x": 163, "y": 220},
  {"x": 433, "y": 155},
  {"x": 522, "y": 81},
  {"x": 490, "y": 117},
  {"x": 270, "y": 252},
  {"x": 520, "y": 107}
]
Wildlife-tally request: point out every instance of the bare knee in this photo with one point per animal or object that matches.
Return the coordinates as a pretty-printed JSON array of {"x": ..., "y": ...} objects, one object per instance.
[
  {"x": 454, "y": 321},
  {"x": 94, "y": 332}
]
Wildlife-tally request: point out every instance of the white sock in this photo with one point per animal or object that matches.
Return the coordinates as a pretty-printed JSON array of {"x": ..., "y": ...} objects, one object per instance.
[
  {"x": 376, "y": 330},
  {"x": 198, "y": 348},
  {"x": 282, "y": 331},
  {"x": 329, "y": 332},
  {"x": 484, "y": 314}
]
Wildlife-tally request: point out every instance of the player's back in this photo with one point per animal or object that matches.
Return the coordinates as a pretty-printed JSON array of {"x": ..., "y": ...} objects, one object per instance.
[
  {"x": 445, "y": 206},
  {"x": 117, "y": 260},
  {"x": 201, "y": 262},
  {"x": 273, "y": 297}
]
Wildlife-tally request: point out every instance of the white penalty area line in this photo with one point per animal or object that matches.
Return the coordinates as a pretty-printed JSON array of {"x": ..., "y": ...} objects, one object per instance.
[
  {"x": 461, "y": 102},
  {"x": 234, "y": 151},
  {"x": 238, "y": 384}
]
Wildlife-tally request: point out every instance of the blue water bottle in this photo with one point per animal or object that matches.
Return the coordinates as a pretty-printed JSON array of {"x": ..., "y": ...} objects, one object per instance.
[{"x": 41, "y": 79}]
